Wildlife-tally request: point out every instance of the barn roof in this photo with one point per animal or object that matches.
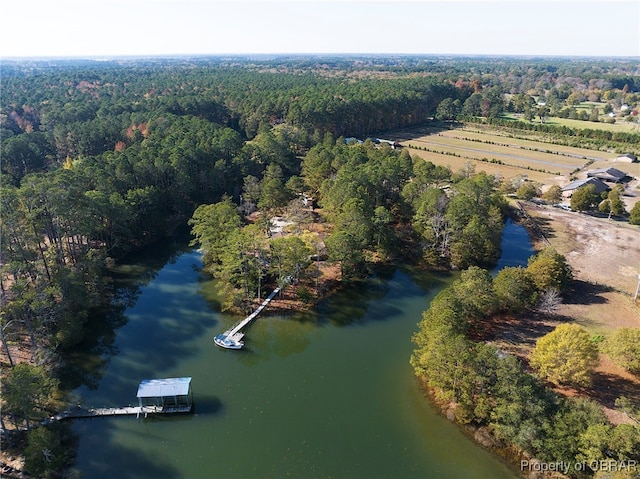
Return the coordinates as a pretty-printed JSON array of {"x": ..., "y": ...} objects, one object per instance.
[
  {"x": 574, "y": 185},
  {"x": 612, "y": 174},
  {"x": 164, "y": 387}
]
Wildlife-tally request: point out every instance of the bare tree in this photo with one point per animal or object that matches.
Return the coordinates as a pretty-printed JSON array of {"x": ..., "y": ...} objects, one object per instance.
[{"x": 550, "y": 300}]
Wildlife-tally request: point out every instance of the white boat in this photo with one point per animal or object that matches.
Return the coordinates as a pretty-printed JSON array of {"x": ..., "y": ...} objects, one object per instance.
[
  {"x": 232, "y": 338},
  {"x": 229, "y": 342}
]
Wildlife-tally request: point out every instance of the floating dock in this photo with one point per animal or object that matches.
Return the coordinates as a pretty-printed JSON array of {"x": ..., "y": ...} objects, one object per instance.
[{"x": 232, "y": 338}]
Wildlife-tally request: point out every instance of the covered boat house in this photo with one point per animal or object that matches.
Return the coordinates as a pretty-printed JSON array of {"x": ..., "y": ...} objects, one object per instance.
[{"x": 165, "y": 395}]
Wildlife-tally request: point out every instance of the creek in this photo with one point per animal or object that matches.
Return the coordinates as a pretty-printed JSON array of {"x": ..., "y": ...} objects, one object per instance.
[{"x": 326, "y": 394}]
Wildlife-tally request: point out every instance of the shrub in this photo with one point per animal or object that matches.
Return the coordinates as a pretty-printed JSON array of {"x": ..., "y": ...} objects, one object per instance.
[
  {"x": 304, "y": 294},
  {"x": 634, "y": 217}
]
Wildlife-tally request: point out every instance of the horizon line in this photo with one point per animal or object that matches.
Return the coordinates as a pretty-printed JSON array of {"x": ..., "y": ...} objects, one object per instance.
[{"x": 99, "y": 57}]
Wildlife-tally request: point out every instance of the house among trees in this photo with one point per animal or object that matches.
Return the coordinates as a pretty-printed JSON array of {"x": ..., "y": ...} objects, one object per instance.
[
  {"x": 568, "y": 190},
  {"x": 608, "y": 174}
]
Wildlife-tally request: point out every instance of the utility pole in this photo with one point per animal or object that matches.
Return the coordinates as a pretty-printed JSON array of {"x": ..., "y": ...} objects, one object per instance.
[{"x": 635, "y": 297}]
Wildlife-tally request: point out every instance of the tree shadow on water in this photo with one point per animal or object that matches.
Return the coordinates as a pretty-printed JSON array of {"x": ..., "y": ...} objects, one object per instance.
[
  {"x": 353, "y": 303},
  {"x": 104, "y": 458}
]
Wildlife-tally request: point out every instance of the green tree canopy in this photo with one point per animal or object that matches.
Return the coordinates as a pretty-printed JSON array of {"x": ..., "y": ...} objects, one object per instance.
[
  {"x": 211, "y": 226},
  {"x": 567, "y": 426},
  {"x": 475, "y": 292},
  {"x": 553, "y": 195},
  {"x": 290, "y": 257},
  {"x": 549, "y": 269},
  {"x": 585, "y": 198},
  {"x": 527, "y": 191},
  {"x": 613, "y": 204},
  {"x": 45, "y": 454},
  {"x": 27, "y": 390},
  {"x": 514, "y": 288}
]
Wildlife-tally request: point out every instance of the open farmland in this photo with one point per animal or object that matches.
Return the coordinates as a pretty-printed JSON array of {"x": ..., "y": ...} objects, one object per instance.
[
  {"x": 531, "y": 141},
  {"x": 499, "y": 151},
  {"x": 494, "y": 152},
  {"x": 456, "y": 163}
]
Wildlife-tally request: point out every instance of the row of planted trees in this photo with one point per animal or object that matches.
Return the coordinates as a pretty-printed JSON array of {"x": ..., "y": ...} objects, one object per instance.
[{"x": 483, "y": 387}]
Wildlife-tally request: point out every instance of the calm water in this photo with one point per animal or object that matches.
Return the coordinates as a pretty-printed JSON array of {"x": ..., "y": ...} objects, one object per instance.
[
  {"x": 516, "y": 246},
  {"x": 326, "y": 395}
]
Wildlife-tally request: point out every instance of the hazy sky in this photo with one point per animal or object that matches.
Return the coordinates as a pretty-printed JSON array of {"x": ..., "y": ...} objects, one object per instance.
[{"x": 99, "y": 28}]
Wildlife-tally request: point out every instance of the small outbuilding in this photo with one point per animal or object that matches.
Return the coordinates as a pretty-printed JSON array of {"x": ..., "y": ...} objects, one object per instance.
[
  {"x": 627, "y": 158},
  {"x": 165, "y": 395}
]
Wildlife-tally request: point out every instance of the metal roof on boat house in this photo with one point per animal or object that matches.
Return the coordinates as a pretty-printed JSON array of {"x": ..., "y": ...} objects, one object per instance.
[{"x": 149, "y": 388}]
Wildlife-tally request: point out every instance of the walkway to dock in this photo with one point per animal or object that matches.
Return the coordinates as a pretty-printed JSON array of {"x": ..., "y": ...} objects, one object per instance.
[
  {"x": 79, "y": 412},
  {"x": 232, "y": 338}
]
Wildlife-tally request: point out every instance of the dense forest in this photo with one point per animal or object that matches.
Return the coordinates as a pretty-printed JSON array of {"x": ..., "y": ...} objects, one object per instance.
[{"x": 100, "y": 159}]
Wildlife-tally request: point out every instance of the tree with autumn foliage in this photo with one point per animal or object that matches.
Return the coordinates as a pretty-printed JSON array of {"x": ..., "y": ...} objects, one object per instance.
[{"x": 565, "y": 356}]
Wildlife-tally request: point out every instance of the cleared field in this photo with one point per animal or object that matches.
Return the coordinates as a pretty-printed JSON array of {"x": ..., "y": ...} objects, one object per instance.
[
  {"x": 508, "y": 154},
  {"x": 497, "y": 151},
  {"x": 492, "y": 152},
  {"x": 456, "y": 163},
  {"x": 489, "y": 134}
]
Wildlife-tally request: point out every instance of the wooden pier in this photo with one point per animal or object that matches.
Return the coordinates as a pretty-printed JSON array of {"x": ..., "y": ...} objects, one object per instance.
[
  {"x": 137, "y": 411},
  {"x": 232, "y": 338}
]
